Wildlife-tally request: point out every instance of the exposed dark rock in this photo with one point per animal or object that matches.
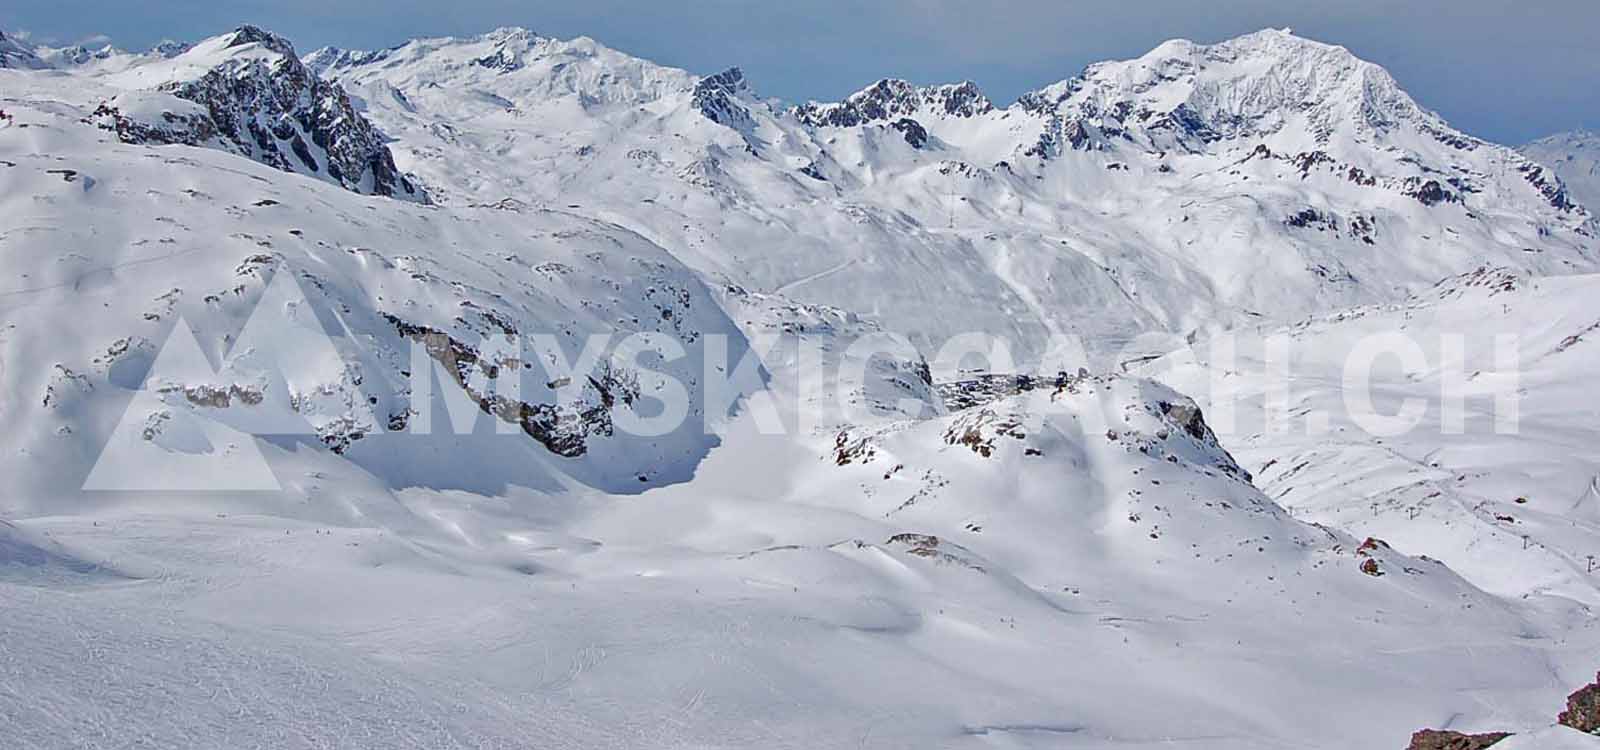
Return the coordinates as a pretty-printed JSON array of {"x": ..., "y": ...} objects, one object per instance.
[
  {"x": 881, "y": 101},
  {"x": 1439, "y": 739},
  {"x": 1429, "y": 192},
  {"x": 958, "y": 100},
  {"x": 504, "y": 60},
  {"x": 1583, "y": 709},
  {"x": 717, "y": 97},
  {"x": 913, "y": 132},
  {"x": 1305, "y": 162},
  {"x": 1188, "y": 417},
  {"x": 1311, "y": 218},
  {"x": 563, "y": 429},
  {"x": 1548, "y": 185},
  {"x": 978, "y": 430}
]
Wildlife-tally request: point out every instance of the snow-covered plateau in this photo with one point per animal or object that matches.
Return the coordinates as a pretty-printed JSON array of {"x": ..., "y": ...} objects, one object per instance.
[{"x": 509, "y": 391}]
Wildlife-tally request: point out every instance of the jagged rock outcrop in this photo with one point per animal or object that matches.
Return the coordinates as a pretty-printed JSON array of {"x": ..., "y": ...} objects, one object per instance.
[
  {"x": 1437, "y": 739},
  {"x": 717, "y": 97},
  {"x": 260, "y": 101},
  {"x": 915, "y": 134},
  {"x": 1583, "y": 709},
  {"x": 562, "y": 428},
  {"x": 893, "y": 99}
]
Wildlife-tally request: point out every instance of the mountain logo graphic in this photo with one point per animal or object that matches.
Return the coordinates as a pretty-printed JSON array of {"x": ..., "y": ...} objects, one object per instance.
[{"x": 192, "y": 426}]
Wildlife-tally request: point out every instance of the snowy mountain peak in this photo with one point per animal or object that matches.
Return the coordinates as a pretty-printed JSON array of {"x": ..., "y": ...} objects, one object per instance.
[
  {"x": 962, "y": 99},
  {"x": 255, "y": 35},
  {"x": 170, "y": 48},
  {"x": 1183, "y": 94},
  {"x": 248, "y": 92},
  {"x": 507, "y": 69},
  {"x": 76, "y": 54},
  {"x": 512, "y": 34},
  {"x": 891, "y": 99},
  {"x": 323, "y": 61}
]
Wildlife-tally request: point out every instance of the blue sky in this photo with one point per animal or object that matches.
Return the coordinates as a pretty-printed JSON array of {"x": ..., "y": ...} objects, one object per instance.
[{"x": 1501, "y": 69}]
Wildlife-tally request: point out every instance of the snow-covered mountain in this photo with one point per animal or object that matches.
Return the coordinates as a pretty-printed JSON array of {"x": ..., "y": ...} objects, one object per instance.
[
  {"x": 18, "y": 55},
  {"x": 1195, "y": 186},
  {"x": 245, "y": 92},
  {"x": 1575, "y": 158},
  {"x": 170, "y": 233},
  {"x": 274, "y": 477}
]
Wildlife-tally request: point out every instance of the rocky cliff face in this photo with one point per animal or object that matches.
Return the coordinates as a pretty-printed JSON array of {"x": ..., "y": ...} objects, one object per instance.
[{"x": 717, "y": 97}]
